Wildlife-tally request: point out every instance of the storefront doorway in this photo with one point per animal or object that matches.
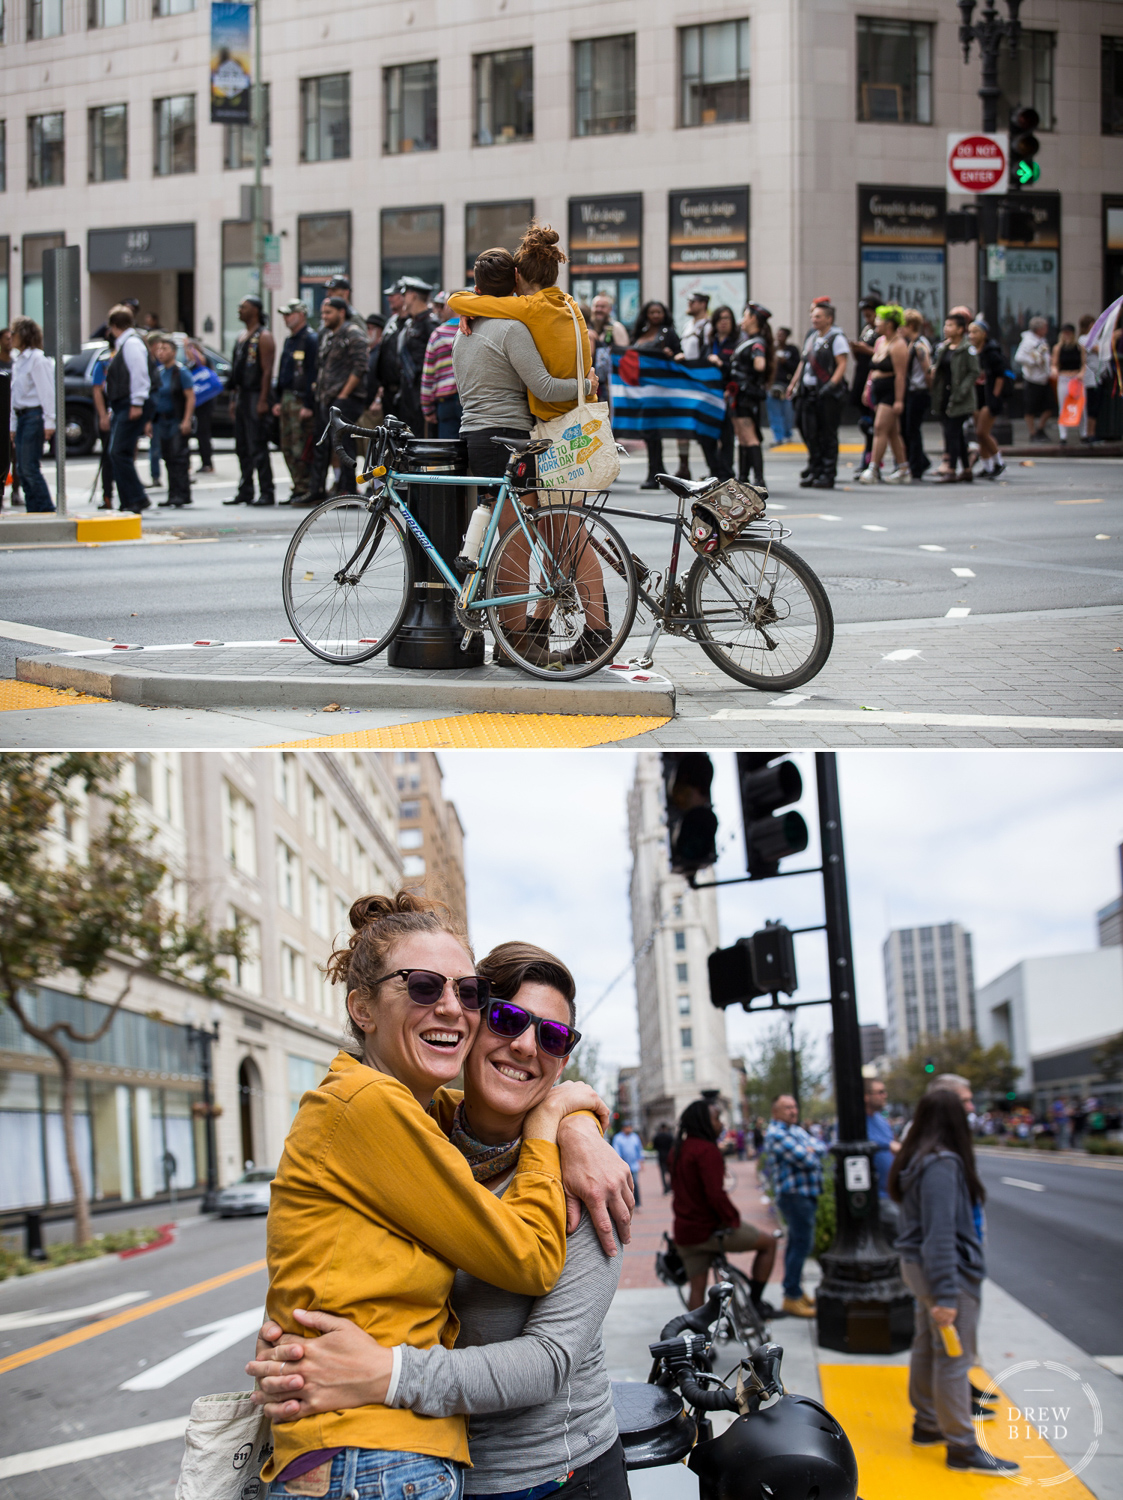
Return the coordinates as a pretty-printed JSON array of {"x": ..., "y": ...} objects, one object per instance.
[
  {"x": 605, "y": 236},
  {"x": 154, "y": 263}
]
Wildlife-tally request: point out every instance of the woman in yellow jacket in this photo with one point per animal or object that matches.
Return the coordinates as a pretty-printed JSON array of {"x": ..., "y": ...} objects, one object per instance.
[{"x": 373, "y": 1209}]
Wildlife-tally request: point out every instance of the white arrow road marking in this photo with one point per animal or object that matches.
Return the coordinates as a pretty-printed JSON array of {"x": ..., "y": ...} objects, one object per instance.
[
  {"x": 93, "y": 1447},
  {"x": 963, "y": 572},
  {"x": 223, "y": 1333},
  {"x": 957, "y": 614},
  {"x": 36, "y": 1317},
  {"x": 902, "y": 655},
  {"x": 1034, "y": 1187}
]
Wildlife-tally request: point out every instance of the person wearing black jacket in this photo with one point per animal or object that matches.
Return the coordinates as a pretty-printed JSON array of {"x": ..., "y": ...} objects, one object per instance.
[
  {"x": 296, "y": 379},
  {"x": 819, "y": 381},
  {"x": 939, "y": 1241},
  {"x": 751, "y": 368},
  {"x": 654, "y": 333},
  {"x": 251, "y": 375},
  {"x": 413, "y": 339}
]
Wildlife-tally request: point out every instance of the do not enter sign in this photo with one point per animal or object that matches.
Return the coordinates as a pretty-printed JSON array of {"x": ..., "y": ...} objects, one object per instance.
[{"x": 977, "y": 163}]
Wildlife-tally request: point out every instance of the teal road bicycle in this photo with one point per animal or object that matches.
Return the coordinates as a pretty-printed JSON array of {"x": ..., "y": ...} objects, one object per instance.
[{"x": 551, "y": 578}]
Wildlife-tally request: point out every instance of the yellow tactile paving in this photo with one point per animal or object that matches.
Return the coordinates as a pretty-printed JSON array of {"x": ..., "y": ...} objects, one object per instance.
[
  {"x": 487, "y": 732},
  {"x": 794, "y": 447},
  {"x": 30, "y": 695},
  {"x": 871, "y": 1402}
]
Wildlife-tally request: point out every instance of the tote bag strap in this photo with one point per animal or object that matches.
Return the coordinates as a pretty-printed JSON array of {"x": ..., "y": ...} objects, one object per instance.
[{"x": 581, "y": 402}]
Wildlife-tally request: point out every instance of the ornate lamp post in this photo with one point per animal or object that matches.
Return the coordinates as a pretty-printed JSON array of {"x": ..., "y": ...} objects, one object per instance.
[{"x": 989, "y": 31}]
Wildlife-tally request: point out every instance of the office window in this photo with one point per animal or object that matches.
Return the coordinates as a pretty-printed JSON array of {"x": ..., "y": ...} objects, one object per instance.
[
  {"x": 246, "y": 971},
  {"x": 342, "y": 917},
  {"x": 715, "y": 73},
  {"x": 285, "y": 781},
  {"x": 410, "y": 101},
  {"x": 109, "y": 143},
  {"x": 46, "y": 151},
  {"x": 238, "y": 141},
  {"x": 360, "y": 866},
  {"x": 681, "y": 974},
  {"x": 325, "y": 112},
  {"x": 105, "y": 13},
  {"x": 680, "y": 942},
  {"x": 413, "y": 865},
  {"x": 340, "y": 843},
  {"x": 1027, "y": 78},
  {"x": 318, "y": 904},
  {"x": 3, "y": 23},
  {"x": 410, "y": 838},
  {"x": 292, "y": 974},
  {"x": 239, "y": 830},
  {"x": 894, "y": 71},
  {"x": 604, "y": 83},
  {"x": 174, "y": 131},
  {"x": 676, "y": 910},
  {"x": 1111, "y": 95},
  {"x": 288, "y": 877},
  {"x": 44, "y": 18},
  {"x": 316, "y": 813},
  {"x": 172, "y": 7},
  {"x": 409, "y": 810},
  {"x": 504, "y": 97},
  {"x": 688, "y": 1070},
  {"x": 684, "y": 1005},
  {"x": 686, "y": 1038}
]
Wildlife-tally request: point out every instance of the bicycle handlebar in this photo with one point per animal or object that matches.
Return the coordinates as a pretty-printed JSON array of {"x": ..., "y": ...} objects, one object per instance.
[
  {"x": 684, "y": 1340},
  {"x": 702, "y": 1318}
]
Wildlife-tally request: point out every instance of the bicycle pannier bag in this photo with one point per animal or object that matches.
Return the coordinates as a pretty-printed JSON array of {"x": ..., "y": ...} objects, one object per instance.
[
  {"x": 228, "y": 1439},
  {"x": 583, "y": 456},
  {"x": 722, "y": 513}
]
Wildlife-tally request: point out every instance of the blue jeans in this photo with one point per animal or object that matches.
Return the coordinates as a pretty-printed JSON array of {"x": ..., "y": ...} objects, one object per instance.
[
  {"x": 28, "y": 456},
  {"x": 379, "y": 1474},
  {"x": 448, "y": 417},
  {"x": 779, "y": 418},
  {"x": 799, "y": 1213},
  {"x": 124, "y": 433}
]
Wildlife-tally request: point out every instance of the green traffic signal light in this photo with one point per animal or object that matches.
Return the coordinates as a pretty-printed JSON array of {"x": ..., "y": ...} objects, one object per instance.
[
  {"x": 929, "y": 1066},
  {"x": 1027, "y": 172},
  {"x": 1011, "y": 1095}
]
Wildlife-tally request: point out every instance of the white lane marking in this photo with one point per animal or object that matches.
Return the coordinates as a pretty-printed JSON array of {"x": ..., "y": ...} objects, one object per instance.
[
  {"x": 956, "y": 613},
  {"x": 905, "y": 654},
  {"x": 12, "y": 630},
  {"x": 955, "y": 721},
  {"x": 36, "y": 1317},
  {"x": 875, "y": 528},
  {"x": 931, "y": 547},
  {"x": 1033, "y": 1187},
  {"x": 1112, "y": 1362},
  {"x": 223, "y": 1333},
  {"x": 790, "y": 698},
  {"x": 93, "y": 1447},
  {"x": 963, "y": 572}
]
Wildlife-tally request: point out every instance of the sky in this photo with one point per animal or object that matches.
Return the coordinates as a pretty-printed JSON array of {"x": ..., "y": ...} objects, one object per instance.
[{"x": 1020, "y": 846}]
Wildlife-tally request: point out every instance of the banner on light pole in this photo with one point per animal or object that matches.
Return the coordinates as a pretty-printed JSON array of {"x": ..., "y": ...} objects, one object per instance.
[{"x": 231, "y": 78}]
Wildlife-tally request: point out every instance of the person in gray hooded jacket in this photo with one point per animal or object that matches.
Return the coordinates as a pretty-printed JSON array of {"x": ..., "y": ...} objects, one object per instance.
[{"x": 933, "y": 1178}]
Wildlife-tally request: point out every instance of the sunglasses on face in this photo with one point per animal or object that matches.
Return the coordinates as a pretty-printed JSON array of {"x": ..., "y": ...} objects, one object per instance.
[
  {"x": 426, "y": 988},
  {"x": 506, "y": 1019}
]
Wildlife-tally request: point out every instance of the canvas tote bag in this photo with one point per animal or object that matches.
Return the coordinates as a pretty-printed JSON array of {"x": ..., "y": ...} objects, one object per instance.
[
  {"x": 583, "y": 455},
  {"x": 228, "y": 1439}
]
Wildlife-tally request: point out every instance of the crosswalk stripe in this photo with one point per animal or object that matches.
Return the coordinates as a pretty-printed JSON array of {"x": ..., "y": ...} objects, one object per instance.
[{"x": 84, "y": 1449}]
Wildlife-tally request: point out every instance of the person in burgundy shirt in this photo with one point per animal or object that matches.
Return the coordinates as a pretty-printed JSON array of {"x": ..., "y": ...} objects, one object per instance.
[{"x": 702, "y": 1208}]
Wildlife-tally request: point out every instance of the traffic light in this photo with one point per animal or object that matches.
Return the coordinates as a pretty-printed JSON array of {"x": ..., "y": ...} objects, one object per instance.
[
  {"x": 763, "y": 964},
  {"x": 773, "y": 954},
  {"x": 691, "y": 820},
  {"x": 770, "y": 835},
  {"x": 929, "y": 1065},
  {"x": 1024, "y": 146},
  {"x": 1016, "y": 225}
]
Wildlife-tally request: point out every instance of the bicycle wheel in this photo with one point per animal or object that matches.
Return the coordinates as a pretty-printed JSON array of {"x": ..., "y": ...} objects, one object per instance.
[
  {"x": 347, "y": 579},
  {"x": 766, "y": 619},
  {"x": 590, "y": 571}
]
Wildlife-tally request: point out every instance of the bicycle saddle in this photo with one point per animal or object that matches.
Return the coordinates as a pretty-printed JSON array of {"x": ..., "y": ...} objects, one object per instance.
[
  {"x": 531, "y": 445},
  {"x": 685, "y": 488}
]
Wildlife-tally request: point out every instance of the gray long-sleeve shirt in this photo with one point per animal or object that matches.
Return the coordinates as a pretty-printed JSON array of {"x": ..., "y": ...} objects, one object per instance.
[
  {"x": 530, "y": 1372},
  {"x": 494, "y": 367}
]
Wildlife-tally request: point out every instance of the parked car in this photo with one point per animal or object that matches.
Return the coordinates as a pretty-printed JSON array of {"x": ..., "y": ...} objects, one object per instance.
[
  {"x": 81, "y": 415},
  {"x": 249, "y": 1195}
]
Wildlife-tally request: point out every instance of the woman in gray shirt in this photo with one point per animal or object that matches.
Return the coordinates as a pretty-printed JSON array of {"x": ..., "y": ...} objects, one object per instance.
[{"x": 530, "y": 1372}]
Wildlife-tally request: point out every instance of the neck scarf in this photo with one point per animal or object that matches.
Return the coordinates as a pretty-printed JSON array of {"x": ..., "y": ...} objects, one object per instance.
[{"x": 487, "y": 1162}]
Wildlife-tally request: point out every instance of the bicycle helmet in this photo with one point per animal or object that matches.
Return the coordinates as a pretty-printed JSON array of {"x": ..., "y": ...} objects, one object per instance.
[{"x": 792, "y": 1450}]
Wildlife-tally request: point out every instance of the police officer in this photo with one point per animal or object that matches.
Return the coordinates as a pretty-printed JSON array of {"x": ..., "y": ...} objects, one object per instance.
[
  {"x": 251, "y": 375},
  {"x": 385, "y": 371},
  {"x": 295, "y": 380},
  {"x": 341, "y": 364},
  {"x": 416, "y": 330}
]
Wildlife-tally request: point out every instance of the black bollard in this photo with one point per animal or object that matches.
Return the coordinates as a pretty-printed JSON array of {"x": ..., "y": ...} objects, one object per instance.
[{"x": 429, "y": 639}]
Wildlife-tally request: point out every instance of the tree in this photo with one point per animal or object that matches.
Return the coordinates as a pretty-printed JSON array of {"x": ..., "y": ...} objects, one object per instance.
[
  {"x": 768, "y": 1072},
  {"x": 61, "y": 915},
  {"x": 988, "y": 1070}
]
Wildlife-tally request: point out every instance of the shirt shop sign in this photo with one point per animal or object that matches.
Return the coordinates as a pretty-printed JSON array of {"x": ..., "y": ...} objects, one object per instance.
[
  {"x": 604, "y": 234},
  {"x": 154, "y": 247},
  {"x": 709, "y": 230}
]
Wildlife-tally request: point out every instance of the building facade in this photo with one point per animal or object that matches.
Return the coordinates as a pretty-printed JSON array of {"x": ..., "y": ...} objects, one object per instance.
[
  {"x": 282, "y": 843},
  {"x": 430, "y": 837},
  {"x": 682, "y": 1042},
  {"x": 929, "y": 984},
  {"x": 779, "y": 148}
]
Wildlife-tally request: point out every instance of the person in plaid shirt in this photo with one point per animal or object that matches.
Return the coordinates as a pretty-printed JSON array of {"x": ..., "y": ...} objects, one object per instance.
[{"x": 793, "y": 1167}]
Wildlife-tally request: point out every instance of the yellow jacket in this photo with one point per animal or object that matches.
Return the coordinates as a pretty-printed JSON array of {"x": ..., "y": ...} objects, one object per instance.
[
  {"x": 546, "y": 314},
  {"x": 372, "y": 1211}
]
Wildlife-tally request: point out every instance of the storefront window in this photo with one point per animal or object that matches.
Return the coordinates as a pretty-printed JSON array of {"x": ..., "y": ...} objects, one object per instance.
[
  {"x": 1111, "y": 88},
  {"x": 22, "y": 1178},
  {"x": 1027, "y": 77},
  {"x": 504, "y": 97},
  {"x": 410, "y": 98},
  {"x": 605, "y": 235},
  {"x": 902, "y": 248},
  {"x": 709, "y": 247},
  {"x": 1030, "y": 287},
  {"x": 412, "y": 242},
  {"x": 487, "y": 225},
  {"x": 604, "y": 80},
  {"x": 894, "y": 71},
  {"x": 323, "y": 250}
]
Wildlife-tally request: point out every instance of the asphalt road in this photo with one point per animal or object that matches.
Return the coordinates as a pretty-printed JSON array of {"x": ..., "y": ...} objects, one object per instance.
[
  {"x": 76, "y": 1394},
  {"x": 1057, "y": 1244},
  {"x": 1030, "y": 541}
]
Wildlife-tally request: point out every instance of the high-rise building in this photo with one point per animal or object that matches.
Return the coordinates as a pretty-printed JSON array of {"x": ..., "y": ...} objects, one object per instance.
[
  {"x": 430, "y": 836},
  {"x": 282, "y": 842},
  {"x": 929, "y": 984},
  {"x": 682, "y": 1043}
]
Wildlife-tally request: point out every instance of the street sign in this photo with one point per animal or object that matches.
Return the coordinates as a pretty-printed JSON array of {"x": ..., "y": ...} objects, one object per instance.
[
  {"x": 977, "y": 163},
  {"x": 273, "y": 275},
  {"x": 271, "y": 246},
  {"x": 996, "y": 262}
]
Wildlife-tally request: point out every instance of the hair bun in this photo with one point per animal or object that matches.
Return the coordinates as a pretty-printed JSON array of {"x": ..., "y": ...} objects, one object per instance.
[{"x": 369, "y": 909}]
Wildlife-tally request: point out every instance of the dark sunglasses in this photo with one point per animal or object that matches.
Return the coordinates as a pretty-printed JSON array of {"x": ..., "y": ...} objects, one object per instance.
[
  {"x": 426, "y": 988},
  {"x": 508, "y": 1020}
]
